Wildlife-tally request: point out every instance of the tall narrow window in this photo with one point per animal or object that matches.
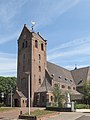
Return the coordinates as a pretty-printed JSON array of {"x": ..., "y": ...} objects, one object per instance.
[
  {"x": 51, "y": 98},
  {"x": 26, "y": 44},
  {"x": 42, "y": 48},
  {"x": 39, "y": 57},
  {"x": 23, "y": 45},
  {"x": 36, "y": 43},
  {"x": 39, "y": 68},
  {"x": 39, "y": 80}
]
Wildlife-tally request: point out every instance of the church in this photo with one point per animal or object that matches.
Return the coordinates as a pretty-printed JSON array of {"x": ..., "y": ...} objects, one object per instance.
[{"x": 43, "y": 75}]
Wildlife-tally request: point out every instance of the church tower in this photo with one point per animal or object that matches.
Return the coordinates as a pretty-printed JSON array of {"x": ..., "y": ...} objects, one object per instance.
[{"x": 32, "y": 59}]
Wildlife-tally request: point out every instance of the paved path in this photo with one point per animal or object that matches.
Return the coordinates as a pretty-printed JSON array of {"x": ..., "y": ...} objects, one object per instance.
[
  {"x": 84, "y": 118},
  {"x": 13, "y": 114},
  {"x": 71, "y": 116}
]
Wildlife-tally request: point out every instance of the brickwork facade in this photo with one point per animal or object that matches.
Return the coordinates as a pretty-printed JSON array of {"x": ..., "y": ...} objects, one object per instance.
[{"x": 32, "y": 59}]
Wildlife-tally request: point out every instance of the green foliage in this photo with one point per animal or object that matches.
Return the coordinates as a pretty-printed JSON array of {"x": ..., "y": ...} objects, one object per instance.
[
  {"x": 58, "y": 97},
  {"x": 86, "y": 92},
  {"x": 2, "y": 104},
  {"x": 6, "y": 84},
  {"x": 81, "y": 106}
]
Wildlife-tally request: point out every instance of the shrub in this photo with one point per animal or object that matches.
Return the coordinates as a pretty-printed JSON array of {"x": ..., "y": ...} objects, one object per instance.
[
  {"x": 81, "y": 106},
  {"x": 2, "y": 105}
]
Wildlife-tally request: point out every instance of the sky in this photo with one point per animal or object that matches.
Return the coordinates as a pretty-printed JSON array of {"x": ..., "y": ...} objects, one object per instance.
[{"x": 65, "y": 24}]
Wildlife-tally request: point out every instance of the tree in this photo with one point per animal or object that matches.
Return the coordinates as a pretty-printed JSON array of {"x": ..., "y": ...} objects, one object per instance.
[
  {"x": 6, "y": 84},
  {"x": 86, "y": 92},
  {"x": 58, "y": 97}
]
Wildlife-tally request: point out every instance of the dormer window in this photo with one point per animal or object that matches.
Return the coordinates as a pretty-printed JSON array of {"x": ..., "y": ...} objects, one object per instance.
[
  {"x": 52, "y": 75},
  {"x": 70, "y": 80},
  {"x": 60, "y": 77},
  {"x": 80, "y": 82},
  {"x": 36, "y": 43}
]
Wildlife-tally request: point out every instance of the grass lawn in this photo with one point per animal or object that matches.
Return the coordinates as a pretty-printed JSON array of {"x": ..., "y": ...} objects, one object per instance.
[
  {"x": 2, "y": 109},
  {"x": 40, "y": 112}
]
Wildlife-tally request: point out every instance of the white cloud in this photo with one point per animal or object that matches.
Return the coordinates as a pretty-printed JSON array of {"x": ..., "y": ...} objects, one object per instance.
[
  {"x": 6, "y": 38},
  {"x": 8, "y": 15},
  {"x": 73, "y": 48},
  {"x": 72, "y": 43},
  {"x": 54, "y": 9},
  {"x": 8, "y": 64},
  {"x": 10, "y": 9}
]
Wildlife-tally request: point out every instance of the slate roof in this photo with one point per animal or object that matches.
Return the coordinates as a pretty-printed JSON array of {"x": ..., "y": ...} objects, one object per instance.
[
  {"x": 46, "y": 85},
  {"x": 80, "y": 75},
  {"x": 20, "y": 94},
  {"x": 60, "y": 74}
]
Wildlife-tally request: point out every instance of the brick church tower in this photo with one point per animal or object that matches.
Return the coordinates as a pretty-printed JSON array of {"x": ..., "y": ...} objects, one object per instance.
[{"x": 32, "y": 59}]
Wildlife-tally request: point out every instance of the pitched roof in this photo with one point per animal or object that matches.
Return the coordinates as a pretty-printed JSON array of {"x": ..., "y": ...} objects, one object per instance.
[
  {"x": 46, "y": 85},
  {"x": 60, "y": 74},
  {"x": 37, "y": 35},
  {"x": 20, "y": 94},
  {"x": 80, "y": 75}
]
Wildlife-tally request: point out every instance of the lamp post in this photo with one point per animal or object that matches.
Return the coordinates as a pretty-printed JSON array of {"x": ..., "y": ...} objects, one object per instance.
[
  {"x": 2, "y": 96},
  {"x": 11, "y": 97},
  {"x": 28, "y": 73}
]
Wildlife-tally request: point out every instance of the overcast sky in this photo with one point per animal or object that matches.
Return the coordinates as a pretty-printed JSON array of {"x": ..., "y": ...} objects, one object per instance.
[{"x": 65, "y": 24}]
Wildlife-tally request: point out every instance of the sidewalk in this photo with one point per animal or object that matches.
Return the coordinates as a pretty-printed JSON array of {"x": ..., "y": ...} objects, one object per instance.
[
  {"x": 67, "y": 116},
  {"x": 71, "y": 116}
]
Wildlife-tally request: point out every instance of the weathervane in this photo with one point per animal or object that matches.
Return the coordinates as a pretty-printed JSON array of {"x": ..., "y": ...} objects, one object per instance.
[
  {"x": 75, "y": 66},
  {"x": 33, "y": 24}
]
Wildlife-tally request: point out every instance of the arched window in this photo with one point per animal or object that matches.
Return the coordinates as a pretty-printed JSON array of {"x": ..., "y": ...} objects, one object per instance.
[
  {"x": 51, "y": 98},
  {"x": 42, "y": 48},
  {"x": 36, "y": 43}
]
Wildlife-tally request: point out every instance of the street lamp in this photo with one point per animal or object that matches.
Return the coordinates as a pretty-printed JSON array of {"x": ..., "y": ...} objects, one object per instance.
[
  {"x": 11, "y": 97},
  {"x": 28, "y": 73}
]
